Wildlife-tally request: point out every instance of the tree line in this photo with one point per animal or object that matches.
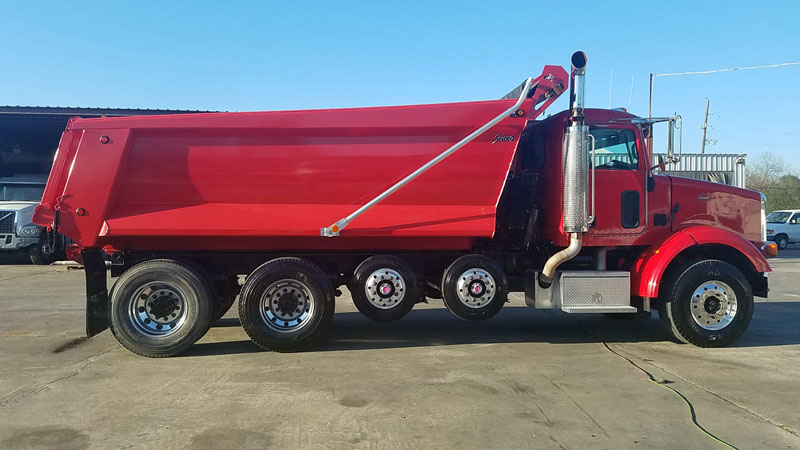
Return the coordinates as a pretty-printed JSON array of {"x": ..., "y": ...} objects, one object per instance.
[{"x": 770, "y": 175}]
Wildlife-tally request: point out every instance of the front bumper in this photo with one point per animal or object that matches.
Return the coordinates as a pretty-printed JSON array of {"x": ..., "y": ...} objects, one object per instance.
[{"x": 14, "y": 242}]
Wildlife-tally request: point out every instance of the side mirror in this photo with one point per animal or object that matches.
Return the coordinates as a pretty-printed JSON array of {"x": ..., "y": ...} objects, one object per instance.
[{"x": 675, "y": 122}]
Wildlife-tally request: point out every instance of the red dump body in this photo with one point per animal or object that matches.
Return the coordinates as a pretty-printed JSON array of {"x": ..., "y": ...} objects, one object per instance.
[{"x": 272, "y": 180}]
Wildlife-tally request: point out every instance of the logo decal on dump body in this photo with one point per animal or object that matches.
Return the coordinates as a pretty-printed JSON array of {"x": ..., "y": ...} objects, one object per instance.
[{"x": 498, "y": 138}]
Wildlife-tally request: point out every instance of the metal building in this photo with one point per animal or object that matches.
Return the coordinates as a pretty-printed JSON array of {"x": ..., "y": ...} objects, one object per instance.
[
  {"x": 725, "y": 168},
  {"x": 29, "y": 135}
]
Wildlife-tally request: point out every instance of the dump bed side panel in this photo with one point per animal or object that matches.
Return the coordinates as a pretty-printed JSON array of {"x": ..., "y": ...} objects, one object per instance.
[{"x": 215, "y": 180}]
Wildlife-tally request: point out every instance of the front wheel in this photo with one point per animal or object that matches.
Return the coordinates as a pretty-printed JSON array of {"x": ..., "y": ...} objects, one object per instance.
[
  {"x": 707, "y": 303},
  {"x": 783, "y": 241}
]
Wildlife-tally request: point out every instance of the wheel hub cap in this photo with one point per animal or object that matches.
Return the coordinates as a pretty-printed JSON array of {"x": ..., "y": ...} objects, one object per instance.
[
  {"x": 288, "y": 303},
  {"x": 713, "y": 306},
  {"x": 476, "y": 288},
  {"x": 157, "y": 309},
  {"x": 385, "y": 288},
  {"x": 163, "y": 305}
]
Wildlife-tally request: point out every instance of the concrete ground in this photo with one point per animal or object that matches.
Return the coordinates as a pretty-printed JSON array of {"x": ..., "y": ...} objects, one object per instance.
[{"x": 525, "y": 379}]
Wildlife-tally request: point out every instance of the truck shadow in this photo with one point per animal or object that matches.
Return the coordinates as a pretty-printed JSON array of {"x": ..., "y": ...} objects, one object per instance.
[{"x": 774, "y": 324}]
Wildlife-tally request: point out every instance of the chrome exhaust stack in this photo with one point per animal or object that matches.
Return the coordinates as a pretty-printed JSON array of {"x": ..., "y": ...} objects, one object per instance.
[
  {"x": 578, "y": 79},
  {"x": 576, "y": 175}
]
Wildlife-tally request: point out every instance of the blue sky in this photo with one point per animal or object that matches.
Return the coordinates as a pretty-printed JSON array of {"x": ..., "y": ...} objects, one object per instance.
[{"x": 270, "y": 55}]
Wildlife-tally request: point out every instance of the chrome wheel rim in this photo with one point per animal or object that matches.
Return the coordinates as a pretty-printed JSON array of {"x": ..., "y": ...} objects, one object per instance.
[
  {"x": 713, "y": 305},
  {"x": 286, "y": 305},
  {"x": 157, "y": 308},
  {"x": 385, "y": 288},
  {"x": 475, "y": 288}
]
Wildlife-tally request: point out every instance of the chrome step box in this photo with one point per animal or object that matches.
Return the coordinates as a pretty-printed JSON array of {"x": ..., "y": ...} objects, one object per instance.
[{"x": 582, "y": 291}]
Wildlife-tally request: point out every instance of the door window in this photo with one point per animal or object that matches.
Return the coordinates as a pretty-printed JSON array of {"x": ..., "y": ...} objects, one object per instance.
[
  {"x": 615, "y": 149},
  {"x": 795, "y": 219}
]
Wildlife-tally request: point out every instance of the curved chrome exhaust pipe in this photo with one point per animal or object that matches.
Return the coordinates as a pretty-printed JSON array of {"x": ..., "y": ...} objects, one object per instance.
[
  {"x": 575, "y": 244},
  {"x": 576, "y": 175}
]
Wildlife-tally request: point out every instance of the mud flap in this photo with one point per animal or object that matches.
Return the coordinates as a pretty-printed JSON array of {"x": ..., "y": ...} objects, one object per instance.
[{"x": 96, "y": 291}]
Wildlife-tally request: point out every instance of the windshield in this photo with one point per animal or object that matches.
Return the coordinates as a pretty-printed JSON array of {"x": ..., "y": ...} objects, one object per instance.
[
  {"x": 21, "y": 192},
  {"x": 778, "y": 216}
]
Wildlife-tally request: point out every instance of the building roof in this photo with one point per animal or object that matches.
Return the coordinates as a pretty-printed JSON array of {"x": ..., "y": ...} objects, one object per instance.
[{"x": 80, "y": 111}]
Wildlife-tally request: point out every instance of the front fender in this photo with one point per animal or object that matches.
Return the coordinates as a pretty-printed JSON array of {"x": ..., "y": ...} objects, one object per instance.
[{"x": 649, "y": 267}]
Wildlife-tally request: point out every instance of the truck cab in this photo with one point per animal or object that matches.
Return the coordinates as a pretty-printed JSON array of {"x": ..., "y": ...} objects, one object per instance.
[
  {"x": 633, "y": 203},
  {"x": 783, "y": 227}
]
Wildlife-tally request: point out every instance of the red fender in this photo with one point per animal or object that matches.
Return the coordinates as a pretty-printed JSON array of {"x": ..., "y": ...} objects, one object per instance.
[{"x": 648, "y": 269}]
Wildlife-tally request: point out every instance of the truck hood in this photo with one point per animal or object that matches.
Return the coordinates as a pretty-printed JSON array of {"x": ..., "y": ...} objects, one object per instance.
[
  {"x": 16, "y": 206},
  {"x": 714, "y": 204},
  {"x": 24, "y": 211}
]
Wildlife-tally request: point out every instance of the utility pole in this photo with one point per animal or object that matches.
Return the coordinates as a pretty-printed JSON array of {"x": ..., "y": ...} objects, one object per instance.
[
  {"x": 650, "y": 106},
  {"x": 704, "y": 127}
]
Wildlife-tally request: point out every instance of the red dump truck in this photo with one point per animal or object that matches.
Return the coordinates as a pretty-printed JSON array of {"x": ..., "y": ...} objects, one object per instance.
[{"x": 460, "y": 201}]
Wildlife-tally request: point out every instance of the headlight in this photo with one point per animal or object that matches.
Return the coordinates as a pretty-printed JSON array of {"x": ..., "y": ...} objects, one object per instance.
[
  {"x": 770, "y": 232},
  {"x": 29, "y": 230}
]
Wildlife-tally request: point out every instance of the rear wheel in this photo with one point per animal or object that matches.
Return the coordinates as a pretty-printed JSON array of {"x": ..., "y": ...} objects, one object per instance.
[
  {"x": 707, "y": 303},
  {"x": 286, "y": 304},
  {"x": 161, "y": 307},
  {"x": 384, "y": 288},
  {"x": 474, "y": 287}
]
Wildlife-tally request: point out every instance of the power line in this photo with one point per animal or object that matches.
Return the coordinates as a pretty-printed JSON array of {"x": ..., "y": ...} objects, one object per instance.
[{"x": 701, "y": 72}]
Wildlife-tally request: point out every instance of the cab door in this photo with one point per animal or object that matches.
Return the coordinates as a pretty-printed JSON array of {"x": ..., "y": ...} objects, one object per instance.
[{"x": 620, "y": 179}]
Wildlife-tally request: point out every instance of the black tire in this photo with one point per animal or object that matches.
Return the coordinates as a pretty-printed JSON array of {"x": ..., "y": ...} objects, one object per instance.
[
  {"x": 177, "y": 290},
  {"x": 282, "y": 280},
  {"x": 708, "y": 283},
  {"x": 491, "y": 296},
  {"x": 42, "y": 253},
  {"x": 782, "y": 240},
  {"x": 402, "y": 288}
]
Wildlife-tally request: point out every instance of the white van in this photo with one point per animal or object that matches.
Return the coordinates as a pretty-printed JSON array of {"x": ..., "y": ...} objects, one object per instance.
[{"x": 783, "y": 227}]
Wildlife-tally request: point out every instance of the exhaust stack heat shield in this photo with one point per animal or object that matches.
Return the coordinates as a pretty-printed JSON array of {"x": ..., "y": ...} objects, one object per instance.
[{"x": 576, "y": 179}]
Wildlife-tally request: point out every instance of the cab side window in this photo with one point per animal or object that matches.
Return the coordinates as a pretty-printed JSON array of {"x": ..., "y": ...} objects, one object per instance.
[
  {"x": 615, "y": 149},
  {"x": 795, "y": 219}
]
